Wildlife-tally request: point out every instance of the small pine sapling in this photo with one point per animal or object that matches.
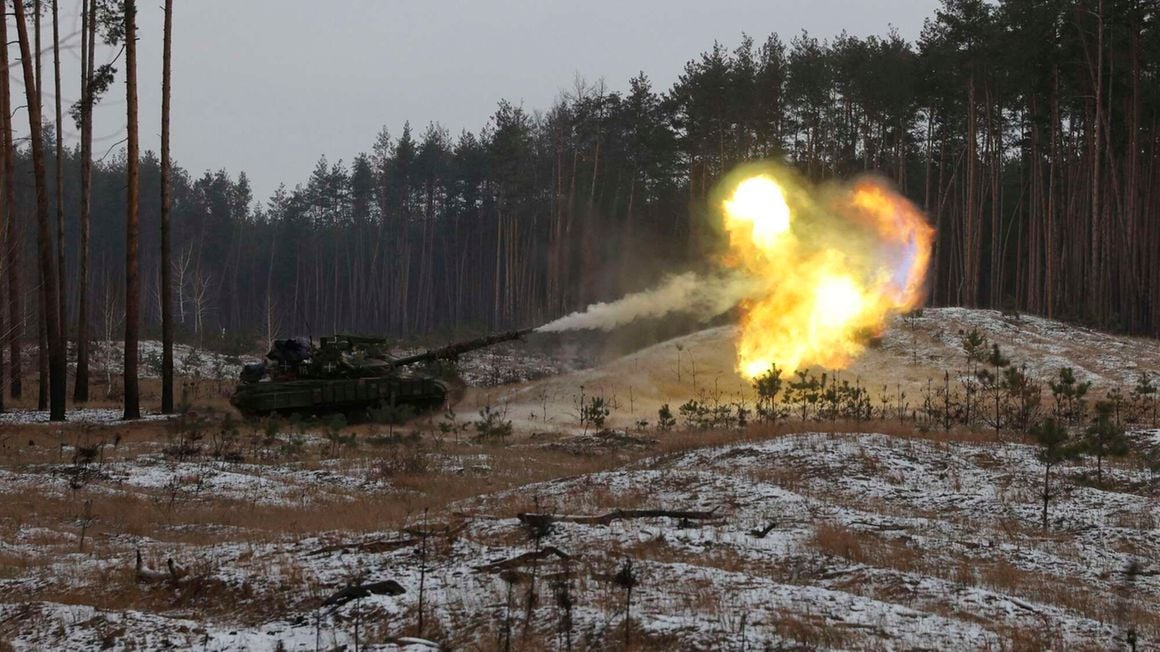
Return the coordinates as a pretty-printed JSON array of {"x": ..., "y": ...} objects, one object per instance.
[
  {"x": 807, "y": 391},
  {"x": 626, "y": 578},
  {"x": 536, "y": 530},
  {"x": 594, "y": 412},
  {"x": 974, "y": 346},
  {"x": 992, "y": 384},
  {"x": 422, "y": 553},
  {"x": 1143, "y": 400},
  {"x": 1069, "y": 394},
  {"x": 1055, "y": 447},
  {"x": 450, "y": 424},
  {"x": 492, "y": 424},
  {"x": 510, "y": 578},
  {"x": 1104, "y": 438},
  {"x": 767, "y": 386},
  {"x": 665, "y": 419},
  {"x": 1023, "y": 398},
  {"x": 562, "y": 591}
]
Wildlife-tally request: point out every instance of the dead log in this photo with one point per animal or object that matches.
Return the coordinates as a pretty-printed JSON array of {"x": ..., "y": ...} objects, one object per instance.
[
  {"x": 371, "y": 547},
  {"x": 176, "y": 573},
  {"x": 544, "y": 520},
  {"x": 762, "y": 531},
  {"x": 449, "y": 531},
  {"x": 526, "y": 558},
  {"x": 405, "y": 641},
  {"x": 343, "y": 596},
  {"x": 143, "y": 573}
]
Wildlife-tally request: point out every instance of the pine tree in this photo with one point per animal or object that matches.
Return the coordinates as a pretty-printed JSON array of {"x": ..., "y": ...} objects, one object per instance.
[
  {"x": 1104, "y": 438},
  {"x": 57, "y": 362},
  {"x": 166, "y": 208},
  {"x": 13, "y": 246},
  {"x": 1055, "y": 447},
  {"x": 132, "y": 287}
]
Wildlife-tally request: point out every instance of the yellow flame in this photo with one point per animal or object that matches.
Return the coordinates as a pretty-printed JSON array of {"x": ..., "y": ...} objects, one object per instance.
[
  {"x": 831, "y": 265},
  {"x": 759, "y": 207}
]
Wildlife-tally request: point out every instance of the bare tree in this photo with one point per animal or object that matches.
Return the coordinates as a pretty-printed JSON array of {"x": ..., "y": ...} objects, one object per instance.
[
  {"x": 200, "y": 298},
  {"x": 182, "y": 270},
  {"x": 132, "y": 285},
  {"x": 56, "y": 353}
]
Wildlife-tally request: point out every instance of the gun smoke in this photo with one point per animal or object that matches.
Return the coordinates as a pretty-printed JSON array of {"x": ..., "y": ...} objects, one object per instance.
[{"x": 701, "y": 296}]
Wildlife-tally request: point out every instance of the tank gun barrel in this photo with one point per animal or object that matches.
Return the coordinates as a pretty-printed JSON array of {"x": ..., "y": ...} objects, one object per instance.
[{"x": 452, "y": 351}]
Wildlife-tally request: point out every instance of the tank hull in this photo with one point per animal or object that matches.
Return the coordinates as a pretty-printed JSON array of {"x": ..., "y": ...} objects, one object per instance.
[{"x": 348, "y": 396}]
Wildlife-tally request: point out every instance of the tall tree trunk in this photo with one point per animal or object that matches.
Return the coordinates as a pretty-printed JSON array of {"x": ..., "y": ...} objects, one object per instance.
[
  {"x": 41, "y": 319},
  {"x": 43, "y": 371},
  {"x": 1096, "y": 263},
  {"x": 56, "y": 354},
  {"x": 972, "y": 242},
  {"x": 88, "y": 50},
  {"x": 132, "y": 287},
  {"x": 60, "y": 262},
  {"x": 16, "y": 315},
  {"x": 166, "y": 277}
]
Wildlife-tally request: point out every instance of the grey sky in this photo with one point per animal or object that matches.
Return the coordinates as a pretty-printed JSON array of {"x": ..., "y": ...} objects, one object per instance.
[{"x": 268, "y": 86}]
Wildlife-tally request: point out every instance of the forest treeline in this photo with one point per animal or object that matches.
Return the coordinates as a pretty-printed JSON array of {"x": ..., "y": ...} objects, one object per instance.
[{"x": 1027, "y": 129}]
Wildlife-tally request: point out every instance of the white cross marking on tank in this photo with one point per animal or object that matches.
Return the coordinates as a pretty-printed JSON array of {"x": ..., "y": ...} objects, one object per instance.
[{"x": 328, "y": 367}]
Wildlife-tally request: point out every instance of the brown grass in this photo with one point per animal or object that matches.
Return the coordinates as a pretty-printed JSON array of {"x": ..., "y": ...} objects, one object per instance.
[{"x": 417, "y": 483}]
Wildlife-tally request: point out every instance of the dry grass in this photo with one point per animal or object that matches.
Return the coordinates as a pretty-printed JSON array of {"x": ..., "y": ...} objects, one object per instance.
[
  {"x": 1001, "y": 576},
  {"x": 420, "y": 479}
]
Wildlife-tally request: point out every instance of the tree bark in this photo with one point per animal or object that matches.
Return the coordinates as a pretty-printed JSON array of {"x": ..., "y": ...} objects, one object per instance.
[
  {"x": 132, "y": 287},
  {"x": 16, "y": 315},
  {"x": 88, "y": 50},
  {"x": 166, "y": 201},
  {"x": 56, "y": 354},
  {"x": 60, "y": 260}
]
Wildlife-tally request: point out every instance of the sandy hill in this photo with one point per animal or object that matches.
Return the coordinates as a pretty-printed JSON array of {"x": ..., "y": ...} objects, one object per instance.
[{"x": 911, "y": 352}]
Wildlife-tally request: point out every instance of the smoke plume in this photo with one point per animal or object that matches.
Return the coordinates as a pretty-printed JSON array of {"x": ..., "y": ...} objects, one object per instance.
[{"x": 703, "y": 297}]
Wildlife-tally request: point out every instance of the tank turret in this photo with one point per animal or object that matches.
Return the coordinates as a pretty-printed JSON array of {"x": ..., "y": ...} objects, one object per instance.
[{"x": 347, "y": 374}]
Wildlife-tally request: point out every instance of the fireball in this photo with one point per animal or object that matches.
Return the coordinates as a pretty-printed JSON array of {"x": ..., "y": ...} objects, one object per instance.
[{"x": 831, "y": 266}]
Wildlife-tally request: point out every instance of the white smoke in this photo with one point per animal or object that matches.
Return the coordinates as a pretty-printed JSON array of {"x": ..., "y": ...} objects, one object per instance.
[{"x": 704, "y": 297}]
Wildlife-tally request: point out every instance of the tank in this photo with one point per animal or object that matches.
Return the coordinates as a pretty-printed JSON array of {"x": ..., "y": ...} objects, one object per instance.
[{"x": 346, "y": 374}]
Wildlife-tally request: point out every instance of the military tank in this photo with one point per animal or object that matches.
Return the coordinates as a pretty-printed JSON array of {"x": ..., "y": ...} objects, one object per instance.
[{"x": 347, "y": 374}]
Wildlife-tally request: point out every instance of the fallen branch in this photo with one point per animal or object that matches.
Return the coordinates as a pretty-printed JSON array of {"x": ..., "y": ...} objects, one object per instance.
[
  {"x": 386, "y": 587},
  {"x": 526, "y": 558},
  {"x": 371, "y": 547},
  {"x": 404, "y": 641},
  {"x": 543, "y": 520},
  {"x": 762, "y": 531},
  {"x": 448, "y": 531},
  {"x": 142, "y": 573},
  {"x": 885, "y": 527}
]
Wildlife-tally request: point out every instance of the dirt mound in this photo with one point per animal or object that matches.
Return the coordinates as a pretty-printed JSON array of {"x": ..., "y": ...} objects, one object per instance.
[{"x": 912, "y": 352}]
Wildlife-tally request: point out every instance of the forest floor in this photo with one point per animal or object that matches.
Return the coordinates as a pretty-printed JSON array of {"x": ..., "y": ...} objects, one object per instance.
[{"x": 854, "y": 535}]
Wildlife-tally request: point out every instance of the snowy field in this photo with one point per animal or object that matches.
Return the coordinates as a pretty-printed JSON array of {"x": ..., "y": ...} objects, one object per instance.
[
  {"x": 813, "y": 535},
  {"x": 832, "y": 540}
]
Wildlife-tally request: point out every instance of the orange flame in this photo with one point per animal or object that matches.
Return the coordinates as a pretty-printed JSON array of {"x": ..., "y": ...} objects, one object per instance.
[{"x": 831, "y": 265}]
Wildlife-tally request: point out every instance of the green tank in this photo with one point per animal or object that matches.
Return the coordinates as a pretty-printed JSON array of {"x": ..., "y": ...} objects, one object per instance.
[{"x": 347, "y": 374}]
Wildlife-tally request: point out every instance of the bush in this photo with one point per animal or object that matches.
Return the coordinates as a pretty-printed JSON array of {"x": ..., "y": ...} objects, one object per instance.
[{"x": 492, "y": 424}]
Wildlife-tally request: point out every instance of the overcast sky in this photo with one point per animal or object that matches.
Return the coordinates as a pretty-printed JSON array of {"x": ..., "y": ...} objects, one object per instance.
[{"x": 268, "y": 86}]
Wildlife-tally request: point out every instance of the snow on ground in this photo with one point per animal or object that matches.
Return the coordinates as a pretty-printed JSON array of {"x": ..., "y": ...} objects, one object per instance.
[
  {"x": 848, "y": 541},
  {"x": 18, "y": 416},
  {"x": 1044, "y": 345},
  {"x": 188, "y": 361},
  {"x": 817, "y": 540}
]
